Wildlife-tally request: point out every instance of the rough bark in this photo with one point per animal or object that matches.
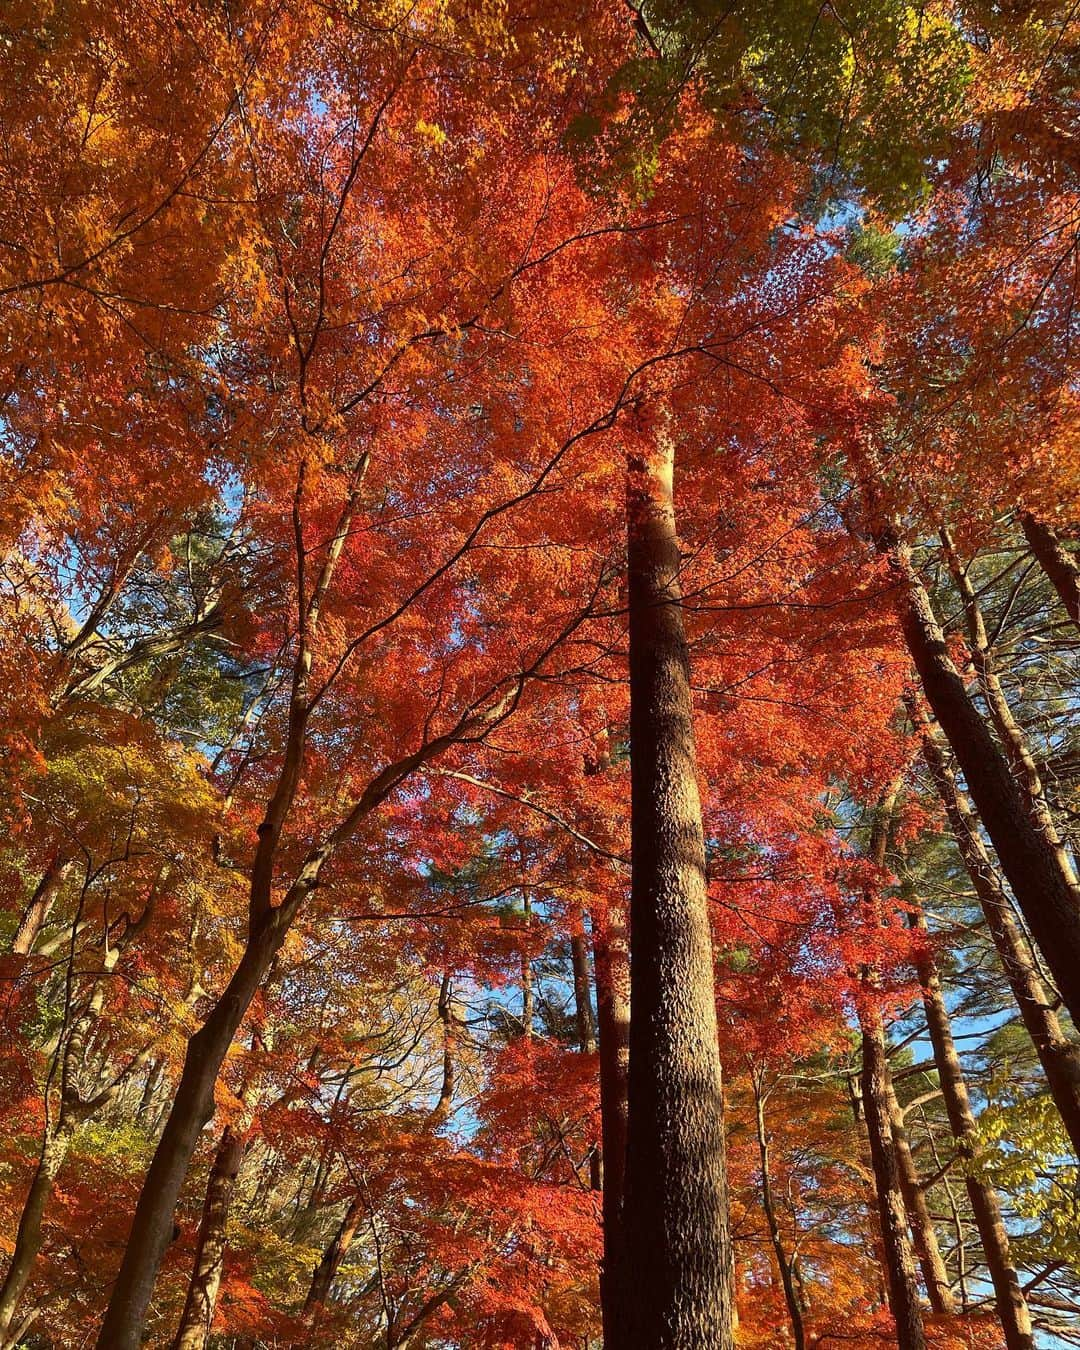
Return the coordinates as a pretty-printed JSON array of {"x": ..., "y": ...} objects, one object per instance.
[
  {"x": 1048, "y": 903},
  {"x": 1056, "y": 561},
  {"x": 1012, "y": 1308},
  {"x": 1058, "y": 1054},
  {"x": 785, "y": 1263},
  {"x": 198, "y": 1315},
  {"x": 672, "y": 1275},
  {"x": 899, "y": 1258}
]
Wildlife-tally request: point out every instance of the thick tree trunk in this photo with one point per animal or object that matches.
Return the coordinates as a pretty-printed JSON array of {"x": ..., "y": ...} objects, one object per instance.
[
  {"x": 28, "y": 1237},
  {"x": 899, "y": 1260},
  {"x": 935, "y": 1276},
  {"x": 1058, "y": 1054},
  {"x": 673, "y": 1271},
  {"x": 610, "y": 958},
  {"x": 1049, "y": 904},
  {"x": 1056, "y": 561},
  {"x": 198, "y": 1315},
  {"x": 1012, "y": 1308},
  {"x": 784, "y": 1263}
]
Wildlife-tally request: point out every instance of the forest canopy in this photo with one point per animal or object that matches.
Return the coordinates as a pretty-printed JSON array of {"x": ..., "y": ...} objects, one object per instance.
[{"x": 539, "y": 615}]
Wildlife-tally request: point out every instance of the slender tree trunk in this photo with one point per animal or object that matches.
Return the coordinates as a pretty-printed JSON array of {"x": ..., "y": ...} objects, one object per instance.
[
  {"x": 528, "y": 1014},
  {"x": 583, "y": 1009},
  {"x": 613, "y": 1022},
  {"x": 193, "y": 1105},
  {"x": 1018, "y": 751},
  {"x": 673, "y": 1275},
  {"x": 1012, "y": 1308},
  {"x": 1056, "y": 561},
  {"x": 28, "y": 1237},
  {"x": 37, "y": 911},
  {"x": 198, "y": 1315},
  {"x": 923, "y": 1235},
  {"x": 323, "y": 1276},
  {"x": 784, "y": 1263},
  {"x": 448, "y": 1017},
  {"x": 899, "y": 1262},
  {"x": 1058, "y": 1054},
  {"x": 1048, "y": 902}
]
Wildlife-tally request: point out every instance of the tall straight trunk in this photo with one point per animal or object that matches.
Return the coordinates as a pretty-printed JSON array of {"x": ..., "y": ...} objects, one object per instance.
[
  {"x": 37, "y": 910},
  {"x": 923, "y": 1236},
  {"x": 527, "y": 1000},
  {"x": 673, "y": 1273},
  {"x": 785, "y": 1263},
  {"x": 1012, "y": 1307},
  {"x": 584, "y": 1020},
  {"x": 198, "y": 1315},
  {"x": 1058, "y": 1054},
  {"x": 610, "y": 958},
  {"x": 1056, "y": 561},
  {"x": 1048, "y": 902},
  {"x": 903, "y": 1292}
]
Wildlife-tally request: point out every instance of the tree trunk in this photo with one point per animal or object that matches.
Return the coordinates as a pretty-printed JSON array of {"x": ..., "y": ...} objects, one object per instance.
[
  {"x": 583, "y": 1009},
  {"x": 1018, "y": 751},
  {"x": 323, "y": 1275},
  {"x": 613, "y": 1024},
  {"x": 37, "y": 911},
  {"x": 448, "y": 1017},
  {"x": 1012, "y": 1308},
  {"x": 673, "y": 1271},
  {"x": 28, "y": 1236},
  {"x": 1056, "y": 561},
  {"x": 785, "y": 1264},
  {"x": 935, "y": 1276},
  {"x": 198, "y": 1315},
  {"x": 1058, "y": 1054},
  {"x": 193, "y": 1105},
  {"x": 1048, "y": 903},
  {"x": 899, "y": 1258},
  {"x": 527, "y": 1001}
]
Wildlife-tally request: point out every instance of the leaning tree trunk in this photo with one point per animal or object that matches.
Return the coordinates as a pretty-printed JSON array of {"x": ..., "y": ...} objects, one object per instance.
[
  {"x": 28, "y": 1236},
  {"x": 1058, "y": 1054},
  {"x": 37, "y": 910},
  {"x": 1056, "y": 561},
  {"x": 1049, "y": 904},
  {"x": 1012, "y": 1307},
  {"x": 903, "y": 1289},
  {"x": 935, "y": 1276},
  {"x": 613, "y": 1026},
  {"x": 673, "y": 1271}
]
